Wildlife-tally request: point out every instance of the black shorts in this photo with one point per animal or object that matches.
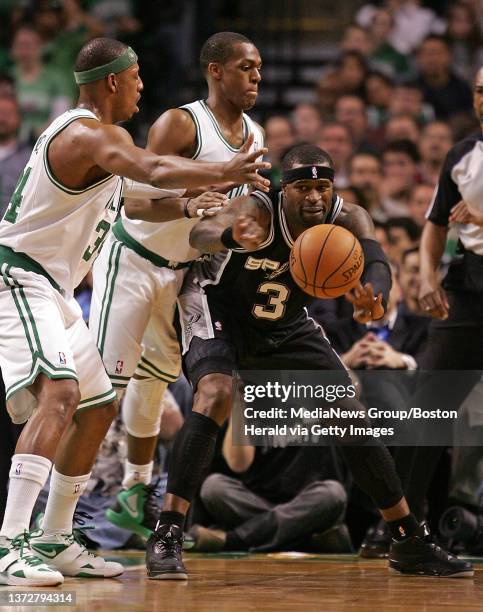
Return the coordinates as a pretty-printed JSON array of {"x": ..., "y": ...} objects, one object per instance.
[{"x": 224, "y": 346}]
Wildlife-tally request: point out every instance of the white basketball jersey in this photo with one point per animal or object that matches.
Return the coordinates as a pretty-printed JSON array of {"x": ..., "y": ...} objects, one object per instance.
[
  {"x": 170, "y": 239},
  {"x": 62, "y": 229}
]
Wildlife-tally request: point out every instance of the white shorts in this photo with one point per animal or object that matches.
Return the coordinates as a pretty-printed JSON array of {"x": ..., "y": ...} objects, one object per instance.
[
  {"x": 132, "y": 315},
  {"x": 41, "y": 331}
]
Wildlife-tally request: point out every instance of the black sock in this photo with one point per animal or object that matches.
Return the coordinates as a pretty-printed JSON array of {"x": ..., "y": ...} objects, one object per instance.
[
  {"x": 404, "y": 527},
  {"x": 233, "y": 542},
  {"x": 172, "y": 518}
]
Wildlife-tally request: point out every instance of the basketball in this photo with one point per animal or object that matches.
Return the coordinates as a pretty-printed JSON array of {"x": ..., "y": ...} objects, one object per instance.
[{"x": 326, "y": 261}]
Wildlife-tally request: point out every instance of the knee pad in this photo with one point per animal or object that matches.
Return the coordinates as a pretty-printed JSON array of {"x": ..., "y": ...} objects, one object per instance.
[{"x": 142, "y": 407}]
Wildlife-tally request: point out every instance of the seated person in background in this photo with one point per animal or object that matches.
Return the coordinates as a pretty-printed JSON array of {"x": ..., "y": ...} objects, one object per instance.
[
  {"x": 277, "y": 499},
  {"x": 392, "y": 343}
]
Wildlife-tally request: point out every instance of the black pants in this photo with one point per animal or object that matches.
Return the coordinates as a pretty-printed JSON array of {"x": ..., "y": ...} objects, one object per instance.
[{"x": 454, "y": 344}]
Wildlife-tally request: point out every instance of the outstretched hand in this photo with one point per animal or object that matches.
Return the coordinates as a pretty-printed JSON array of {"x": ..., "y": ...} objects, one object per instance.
[
  {"x": 207, "y": 204},
  {"x": 366, "y": 306},
  {"x": 244, "y": 169},
  {"x": 248, "y": 232}
]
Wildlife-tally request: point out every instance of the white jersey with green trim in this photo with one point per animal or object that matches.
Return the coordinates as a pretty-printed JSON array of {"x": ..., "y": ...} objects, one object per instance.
[
  {"x": 170, "y": 239},
  {"x": 60, "y": 228}
]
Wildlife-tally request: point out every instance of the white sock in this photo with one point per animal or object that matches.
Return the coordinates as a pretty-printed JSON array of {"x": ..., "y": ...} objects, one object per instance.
[
  {"x": 134, "y": 474},
  {"x": 28, "y": 475},
  {"x": 63, "y": 496}
]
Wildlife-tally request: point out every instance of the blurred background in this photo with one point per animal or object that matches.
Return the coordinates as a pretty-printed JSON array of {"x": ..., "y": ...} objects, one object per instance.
[{"x": 385, "y": 87}]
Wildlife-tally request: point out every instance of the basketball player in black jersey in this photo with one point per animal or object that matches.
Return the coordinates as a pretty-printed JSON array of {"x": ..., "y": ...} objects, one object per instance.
[{"x": 257, "y": 320}]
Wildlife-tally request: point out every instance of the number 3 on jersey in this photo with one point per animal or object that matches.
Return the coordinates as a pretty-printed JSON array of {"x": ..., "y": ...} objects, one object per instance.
[
  {"x": 275, "y": 307},
  {"x": 102, "y": 228}
]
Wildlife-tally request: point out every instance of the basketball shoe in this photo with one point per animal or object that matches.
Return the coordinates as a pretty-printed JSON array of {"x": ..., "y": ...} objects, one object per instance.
[
  {"x": 136, "y": 509},
  {"x": 418, "y": 555},
  {"x": 67, "y": 553},
  {"x": 20, "y": 566},
  {"x": 164, "y": 558}
]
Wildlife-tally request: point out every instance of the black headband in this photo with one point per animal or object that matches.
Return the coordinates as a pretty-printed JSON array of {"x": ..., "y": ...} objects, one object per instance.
[{"x": 307, "y": 172}]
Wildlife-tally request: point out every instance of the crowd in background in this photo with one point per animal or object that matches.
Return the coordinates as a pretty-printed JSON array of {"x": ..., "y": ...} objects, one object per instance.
[{"x": 396, "y": 99}]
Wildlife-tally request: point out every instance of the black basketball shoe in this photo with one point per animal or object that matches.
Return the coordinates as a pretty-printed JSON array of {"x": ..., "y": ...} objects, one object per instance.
[
  {"x": 377, "y": 542},
  {"x": 164, "y": 560},
  {"x": 420, "y": 556}
]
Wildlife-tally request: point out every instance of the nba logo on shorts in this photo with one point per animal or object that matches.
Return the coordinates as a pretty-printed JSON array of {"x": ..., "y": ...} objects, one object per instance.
[
  {"x": 218, "y": 326},
  {"x": 119, "y": 367},
  {"x": 62, "y": 358},
  {"x": 18, "y": 469},
  {"x": 314, "y": 172}
]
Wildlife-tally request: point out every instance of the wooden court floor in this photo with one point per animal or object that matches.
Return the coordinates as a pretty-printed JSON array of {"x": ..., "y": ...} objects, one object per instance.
[{"x": 271, "y": 582}]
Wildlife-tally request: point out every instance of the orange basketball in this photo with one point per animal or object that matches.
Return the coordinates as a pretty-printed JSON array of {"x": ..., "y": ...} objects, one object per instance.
[{"x": 326, "y": 261}]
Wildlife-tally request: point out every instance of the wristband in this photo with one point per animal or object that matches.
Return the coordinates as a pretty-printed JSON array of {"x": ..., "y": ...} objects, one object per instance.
[
  {"x": 186, "y": 210},
  {"x": 227, "y": 239}
]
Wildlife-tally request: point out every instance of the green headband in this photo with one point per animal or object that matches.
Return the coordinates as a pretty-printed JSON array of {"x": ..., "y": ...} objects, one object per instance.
[{"x": 126, "y": 59}]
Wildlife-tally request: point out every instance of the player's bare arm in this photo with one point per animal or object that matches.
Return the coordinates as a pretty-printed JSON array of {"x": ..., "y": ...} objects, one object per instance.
[
  {"x": 167, "y": 209},
  {"x": 246, "y": 217},
  {"x": 432, "y": 296},
  {"x": 368, "y": 299},
  {"x": 109, "y": 149}
]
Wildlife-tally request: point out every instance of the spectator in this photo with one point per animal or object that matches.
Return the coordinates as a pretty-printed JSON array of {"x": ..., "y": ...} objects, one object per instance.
[
  {"x": 365, "y": 173},
  {"x": 353, "y": 195},
  {"x": 351, "y": 112},
  {"x": 351, "y": 73},
  {"x": 307, "y": 122},
  {"x": 447, "y": 93},
  {"x": 464, "y": 37},
  {"x": 379, "y": 89},
  {"x": 64, "y": 27},
  {"x": 407, "y": 99},
  {"x": 117, "y": 17},
  {"x": 402, "y": 127},
  {"x": 278, "y": 499},
  {"x": 279, "y": 136},
  {"x": 419, "y": 202},
  {"x": 39, "y": 89},
  {"x": 384, "y": 55},
  {"x": 382, "y": 236},
  {"x": 328, "y": 91},
  {"x": 412, "y": 23},
  {"x": 356, "y": 38},
  {"x": 403, "y": 234},
  {"x": 410, "y": 279},
  {"x": 392, "y": 344},
  {"x": 400, "y": 166},
  {"x": 435, "y": 142},
  {"x": 336, "y": 139},
  {"x": 13, "y": 155}
]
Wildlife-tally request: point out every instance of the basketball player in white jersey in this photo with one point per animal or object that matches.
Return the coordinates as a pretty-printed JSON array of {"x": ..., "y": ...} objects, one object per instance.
[
  {"x": 64, "y": 204},
  {"x": 139, "y": 273}
]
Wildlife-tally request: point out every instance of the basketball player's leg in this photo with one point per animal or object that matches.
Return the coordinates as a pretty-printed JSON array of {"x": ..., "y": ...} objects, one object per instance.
[
  {"x": 74, "y": 458},
  {"x": 371, "y": 464},
  {"x": 39, "y": 372},
  {"x": 208, "y": 365},
  {"x": 159, "y": 364}
]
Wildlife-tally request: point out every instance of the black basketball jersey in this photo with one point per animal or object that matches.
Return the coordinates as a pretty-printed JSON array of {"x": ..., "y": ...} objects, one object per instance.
[{"x": 256, "y": 288}]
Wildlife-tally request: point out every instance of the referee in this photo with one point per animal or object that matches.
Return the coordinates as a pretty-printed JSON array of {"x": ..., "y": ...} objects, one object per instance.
[{"x": 456, "y": 334}]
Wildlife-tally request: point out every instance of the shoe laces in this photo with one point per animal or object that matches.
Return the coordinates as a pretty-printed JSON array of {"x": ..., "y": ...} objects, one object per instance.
[
  {"x": 168, "y": 544},
  {"x": 151, "y": 496},
  {"x": 22, "y": 544},
  {"x": 78, "y": 534}
]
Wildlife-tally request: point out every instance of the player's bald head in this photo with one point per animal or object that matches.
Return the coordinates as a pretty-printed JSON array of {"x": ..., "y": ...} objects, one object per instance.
[
  {"x": 97, "y": 52},
  {"x": 219, "y": 48}
]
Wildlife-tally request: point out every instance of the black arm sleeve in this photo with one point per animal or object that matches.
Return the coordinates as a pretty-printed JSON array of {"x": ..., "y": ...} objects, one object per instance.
[{"x": 376, "y": 269}]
